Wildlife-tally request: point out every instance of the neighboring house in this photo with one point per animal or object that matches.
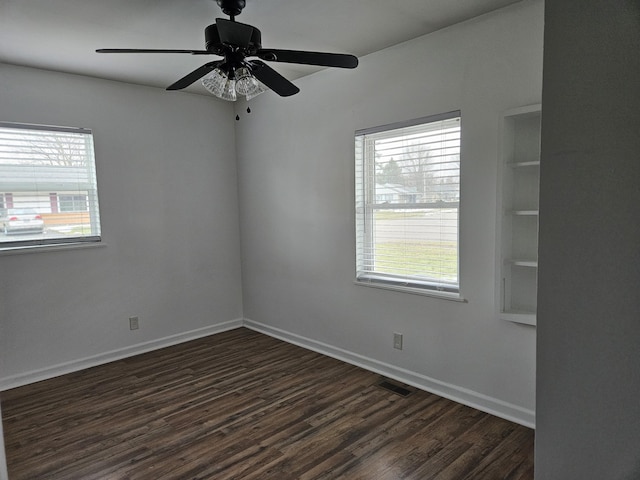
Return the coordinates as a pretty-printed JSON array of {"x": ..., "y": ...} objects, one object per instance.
[
  {"x": 438, "y": 191},
  {"x": 394, "y": 193}
]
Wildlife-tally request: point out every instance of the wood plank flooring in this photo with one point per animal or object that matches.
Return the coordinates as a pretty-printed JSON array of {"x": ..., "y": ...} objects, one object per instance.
[{"x": 242, "y": 405}]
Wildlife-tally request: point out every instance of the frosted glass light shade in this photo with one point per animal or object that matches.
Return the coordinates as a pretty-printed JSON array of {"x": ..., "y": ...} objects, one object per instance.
[
  {"x": 229, "y": 91},
  {"x": 261, "y": 88},
  {"x": 215, "y": 82},
  {"x": 246, "y": 84}
]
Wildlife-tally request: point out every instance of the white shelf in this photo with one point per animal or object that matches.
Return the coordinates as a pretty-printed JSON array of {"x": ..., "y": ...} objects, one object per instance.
[
  {"x": 532, "y": 163},
  {"x": 533, "y": 213},
  {"x": 524, "y": 263}
]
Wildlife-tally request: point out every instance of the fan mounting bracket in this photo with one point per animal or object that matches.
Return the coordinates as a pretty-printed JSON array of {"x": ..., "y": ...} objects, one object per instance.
[{"x": 231, "y": 7}]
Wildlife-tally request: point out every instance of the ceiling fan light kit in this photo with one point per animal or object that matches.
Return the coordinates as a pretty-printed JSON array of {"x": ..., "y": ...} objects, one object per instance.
[
  {"x": 236, "y": 74},
  {"x": 228, "y": 85}
]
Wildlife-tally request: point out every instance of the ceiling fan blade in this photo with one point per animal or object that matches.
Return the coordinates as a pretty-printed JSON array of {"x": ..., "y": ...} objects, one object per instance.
[
  {"x": 151, "y": 50},
  {"x": 340, "y": 60},
  {"x": 272, "y": 79},
  {"x": 234, "y": 33},
  {"x": 197, "y": 74}
]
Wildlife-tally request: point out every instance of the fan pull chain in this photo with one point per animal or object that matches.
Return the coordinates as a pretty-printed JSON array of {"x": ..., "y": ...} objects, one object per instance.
[{"x": 238, "y": 116}]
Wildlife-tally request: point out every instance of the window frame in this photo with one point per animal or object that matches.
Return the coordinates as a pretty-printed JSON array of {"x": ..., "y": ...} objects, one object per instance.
[
  {"x": 364, "y": 216},
  {"x": 94, "y": 238}
]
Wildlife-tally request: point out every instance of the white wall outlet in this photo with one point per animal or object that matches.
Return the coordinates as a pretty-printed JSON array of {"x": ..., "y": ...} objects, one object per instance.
[
  {"x": 133, "y": 323},
  {"x": 397, "y": 340}
]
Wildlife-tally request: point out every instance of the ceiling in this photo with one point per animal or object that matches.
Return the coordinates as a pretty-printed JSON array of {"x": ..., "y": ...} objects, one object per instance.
[{"x": 63, "y": 35}]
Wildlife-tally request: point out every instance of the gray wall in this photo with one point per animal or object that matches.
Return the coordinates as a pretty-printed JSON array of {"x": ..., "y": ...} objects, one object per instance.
[
  {"x": 588, "y": 415},
  {"x": 295, "y": 162},
  {"x": 168, "y": 196}
]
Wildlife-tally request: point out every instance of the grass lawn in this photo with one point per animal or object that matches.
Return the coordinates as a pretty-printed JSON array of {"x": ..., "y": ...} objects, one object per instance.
[
  {"x": 394, "y": 215},
  {"x": 430, "y": 259}
]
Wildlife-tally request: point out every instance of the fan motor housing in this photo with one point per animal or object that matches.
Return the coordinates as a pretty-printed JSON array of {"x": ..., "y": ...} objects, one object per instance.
[{"x": 213, "y": 43}]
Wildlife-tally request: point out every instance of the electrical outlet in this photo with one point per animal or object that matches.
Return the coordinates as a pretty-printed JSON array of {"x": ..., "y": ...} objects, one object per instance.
[
  {"x": 133, "y": 323},
  {"x": 397, "y": 341}
]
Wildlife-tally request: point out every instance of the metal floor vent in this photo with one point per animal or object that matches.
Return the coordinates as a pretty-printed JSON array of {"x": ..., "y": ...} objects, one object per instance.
[{"x": 395, "y": 388}]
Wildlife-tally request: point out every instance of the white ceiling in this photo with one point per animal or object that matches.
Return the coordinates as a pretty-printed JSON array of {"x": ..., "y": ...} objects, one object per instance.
[{"x": 63, "y": 35}]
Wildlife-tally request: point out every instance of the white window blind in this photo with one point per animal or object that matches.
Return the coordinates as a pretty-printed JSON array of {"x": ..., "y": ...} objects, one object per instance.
[
  {"x": 407, "y": 203},
  {"x": 48, "y": 188}
]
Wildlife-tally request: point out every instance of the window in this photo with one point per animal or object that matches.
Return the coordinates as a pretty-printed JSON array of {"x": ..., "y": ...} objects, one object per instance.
[
  {"x": 407, "y": 203},
  {"x": 47, "y": 186},
  {"x": 73, "y": 203}
]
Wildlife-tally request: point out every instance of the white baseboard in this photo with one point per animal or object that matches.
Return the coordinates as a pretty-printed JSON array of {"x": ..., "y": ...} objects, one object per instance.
[
  {"x": 63, "y": 368},
  {"x": 458, "y": 394}
]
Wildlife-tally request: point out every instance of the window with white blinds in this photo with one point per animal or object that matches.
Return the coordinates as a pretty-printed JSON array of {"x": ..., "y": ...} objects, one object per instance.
[
  {"x": 407, "y": 204},
  {"x": 48, "y": 188}
]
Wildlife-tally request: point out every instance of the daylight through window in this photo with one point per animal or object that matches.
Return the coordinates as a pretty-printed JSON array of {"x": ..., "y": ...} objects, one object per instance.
[
  {"x": 407, "y": 204},
  {"x": 48, "y": 191}
]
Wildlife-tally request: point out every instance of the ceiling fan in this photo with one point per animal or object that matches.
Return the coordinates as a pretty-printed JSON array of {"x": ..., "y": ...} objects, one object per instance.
[{"x": 236, "y": 73}]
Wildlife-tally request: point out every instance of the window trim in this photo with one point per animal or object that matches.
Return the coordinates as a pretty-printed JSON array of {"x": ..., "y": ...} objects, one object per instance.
[
  {"x": 425, "y": 292},
  {"x": 51, "y": 248},
  {"x": 397, "y": 282},
  {"x": 410, "y": 123},
  {"x": 53, "y": 243}
]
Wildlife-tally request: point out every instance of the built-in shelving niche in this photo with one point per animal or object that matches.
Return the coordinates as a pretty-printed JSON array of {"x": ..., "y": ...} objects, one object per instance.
[{"x": 519, "y": 178}]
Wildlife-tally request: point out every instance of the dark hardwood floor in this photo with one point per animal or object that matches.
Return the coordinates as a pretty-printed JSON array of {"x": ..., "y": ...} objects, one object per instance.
[{"x": 242, "y": 405}]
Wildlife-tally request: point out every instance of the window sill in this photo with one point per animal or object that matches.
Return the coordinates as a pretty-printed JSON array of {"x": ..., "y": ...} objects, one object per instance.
[
  {"x": 454, "y": 297},
  {"x": 50, "y": 248}
]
